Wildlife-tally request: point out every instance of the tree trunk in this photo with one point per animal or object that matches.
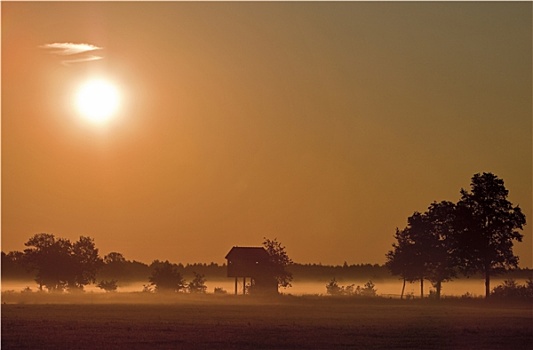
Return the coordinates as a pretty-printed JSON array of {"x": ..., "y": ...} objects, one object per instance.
[
  {"x": 422, "y": 288},
  {"x": 403, "y": 289},
  {"x": 438, "y": 287},
  {"x": 487, "y": 283}
]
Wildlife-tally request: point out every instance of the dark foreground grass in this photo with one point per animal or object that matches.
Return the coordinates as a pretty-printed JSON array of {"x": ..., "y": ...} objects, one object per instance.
[{"x": 282, "y": 323}]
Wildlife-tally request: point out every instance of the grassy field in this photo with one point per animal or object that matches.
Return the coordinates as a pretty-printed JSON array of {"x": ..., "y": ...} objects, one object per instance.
[{"x": 136, "y": 321}]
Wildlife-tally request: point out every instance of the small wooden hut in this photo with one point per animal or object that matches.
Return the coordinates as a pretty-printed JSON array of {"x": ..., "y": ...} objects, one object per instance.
[{"x": 253, "y": 263}]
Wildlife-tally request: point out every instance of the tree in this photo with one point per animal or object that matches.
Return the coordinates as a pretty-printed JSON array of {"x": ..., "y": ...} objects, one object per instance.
[
  {"x": 489, "y": 224},
  {"x": 197, "y": 285},
  {"x": 166, "y": 277},
  {"x": 86, "y": 261},
  {"x": 279, "y": 260},
  {"x": 424, "y": 249},
  {"x": 114, "y": 266},
  {"x": 13, "y": 266},
  {"x": 44, "y": 257},
  {"x": 60, "y": 264},
  {"x": 114, "y": 258},
  {"x": 442, "y": 258},
  {"x": 406, "y": 259}
]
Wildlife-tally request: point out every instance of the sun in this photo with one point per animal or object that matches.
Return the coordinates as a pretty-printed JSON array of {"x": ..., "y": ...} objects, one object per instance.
[{"x": 97, "y": 100}]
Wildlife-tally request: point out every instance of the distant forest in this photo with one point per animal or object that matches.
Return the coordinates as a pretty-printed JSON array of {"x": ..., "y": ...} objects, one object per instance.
[{"x": 116, "y": 267}]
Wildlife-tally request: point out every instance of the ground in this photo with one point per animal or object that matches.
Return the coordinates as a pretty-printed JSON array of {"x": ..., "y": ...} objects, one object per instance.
[{"x": 238, "y": 322}]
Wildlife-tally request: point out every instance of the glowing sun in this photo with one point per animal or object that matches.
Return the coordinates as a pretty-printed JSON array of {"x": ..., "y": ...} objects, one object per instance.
[{"x": 97, "y": 100}]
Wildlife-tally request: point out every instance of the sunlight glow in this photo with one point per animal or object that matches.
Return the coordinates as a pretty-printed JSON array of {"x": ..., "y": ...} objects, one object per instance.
[{"x": 97, "y": 100}]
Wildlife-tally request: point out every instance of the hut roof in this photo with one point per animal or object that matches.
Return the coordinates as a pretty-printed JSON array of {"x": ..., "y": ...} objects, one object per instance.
[{"x": 248, "y": 253}]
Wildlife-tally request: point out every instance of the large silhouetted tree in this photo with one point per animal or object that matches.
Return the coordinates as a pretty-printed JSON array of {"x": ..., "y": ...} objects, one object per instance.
[
  {"x": 489, "y": 224},
  {"x": 60, "y": 264},
  {"x": 279, "y": 260}
]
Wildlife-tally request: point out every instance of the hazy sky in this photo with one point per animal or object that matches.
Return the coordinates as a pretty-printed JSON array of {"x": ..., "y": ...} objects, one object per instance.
[{"x": 322, "y": 124}]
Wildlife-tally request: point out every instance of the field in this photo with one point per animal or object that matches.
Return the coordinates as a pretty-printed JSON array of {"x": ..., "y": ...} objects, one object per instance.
[{"x": 140, "y": 321}]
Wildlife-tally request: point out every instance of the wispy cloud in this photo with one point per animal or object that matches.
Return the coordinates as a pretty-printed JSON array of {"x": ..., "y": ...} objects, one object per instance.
[
  {"x": 83, "y": 59},
  {"x": 70, "y": 49}
]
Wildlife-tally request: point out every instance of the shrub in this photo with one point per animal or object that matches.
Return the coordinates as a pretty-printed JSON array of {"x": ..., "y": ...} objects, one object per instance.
[
  {"x": 368, "y": 290},
  {"x": 332, "y": 288},
  {"x": 108, "y": 286},
  {"x": 197, "y": 285},
  {"x": 167, "y": 278},
  {"x": 219, "y": 290},
  {"x": 509, "y": 289}
]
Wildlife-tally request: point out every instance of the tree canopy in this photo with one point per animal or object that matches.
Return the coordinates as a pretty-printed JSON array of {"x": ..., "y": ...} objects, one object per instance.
[
  {"x": 167, "y": 278},
  {"x": 61, "y": 264},
  {"x": 489, "y": 224},
  {"x": 280, "y": 261},
  {"x": 474, "y": 235}
]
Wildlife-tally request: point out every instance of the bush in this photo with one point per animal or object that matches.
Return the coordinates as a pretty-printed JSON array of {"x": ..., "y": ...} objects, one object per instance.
[
  {"x": 197, "y": 285},
  {"x": 333, "y": 288},
  {"x": 108, "y": 286},
  {"x": 219, "y": 290},
  {"x": 509, "y": 289},
  {"x": 167, "y": 278},
  {"x": 368, "y": 290},
  {"x": 147, "y": 288}
]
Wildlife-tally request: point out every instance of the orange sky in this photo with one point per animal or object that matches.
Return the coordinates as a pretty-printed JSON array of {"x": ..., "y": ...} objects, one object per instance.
[{"x": 322, "y": 124}]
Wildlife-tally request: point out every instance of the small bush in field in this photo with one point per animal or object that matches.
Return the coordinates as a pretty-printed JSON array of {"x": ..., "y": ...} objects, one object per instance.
[
  {"x": 509, "y": 289},
  {"x": 108, "y": 286},
  {"x": 368, "y": 290},
  {"x": 219, "y": 290},
  {"x": 197, "y": 285},
  {"x": 333, "y": 288}
]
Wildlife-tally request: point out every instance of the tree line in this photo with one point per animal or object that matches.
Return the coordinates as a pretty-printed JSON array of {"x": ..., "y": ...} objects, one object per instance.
[
  {"x": 57, "y": 264},
  {"x": 115, "y": 266},
  {"x": 32, "y": 264},
  {"x": 473, "y": 236}
]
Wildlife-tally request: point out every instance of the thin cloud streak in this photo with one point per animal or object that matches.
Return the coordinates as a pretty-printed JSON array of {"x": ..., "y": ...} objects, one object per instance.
[
  {"x": 70, "y": 49},
  {"x": 86, "y": 59}
]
